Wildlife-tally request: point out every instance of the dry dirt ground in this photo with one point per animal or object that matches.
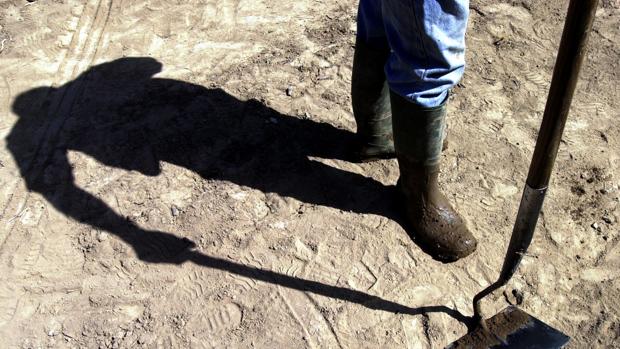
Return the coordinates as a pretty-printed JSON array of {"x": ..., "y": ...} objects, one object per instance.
[{"x": 173, "y": 175}]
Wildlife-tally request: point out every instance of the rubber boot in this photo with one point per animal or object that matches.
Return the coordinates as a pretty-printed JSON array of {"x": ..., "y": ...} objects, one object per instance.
[
  {"x": 418, "y": 137},
  {"x": 371, "y": 104}
]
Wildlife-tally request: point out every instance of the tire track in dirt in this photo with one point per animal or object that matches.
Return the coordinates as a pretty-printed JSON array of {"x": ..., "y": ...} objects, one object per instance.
[
  {"x": 5, "y": 96},
  {"x": 81, "y": 53},
  {"x": 9, "y": 189},
  {"x": 9, "y": 301}
]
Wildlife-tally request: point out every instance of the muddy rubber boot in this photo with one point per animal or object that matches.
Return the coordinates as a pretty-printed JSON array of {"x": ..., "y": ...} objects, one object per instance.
[
  {"x": 371, "y": 104},
  {"x": 418, "y": 137}
]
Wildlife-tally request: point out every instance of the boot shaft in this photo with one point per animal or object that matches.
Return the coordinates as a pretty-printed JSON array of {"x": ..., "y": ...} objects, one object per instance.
[
  {"x": 370, "y": 92},
  {"x": 418, "y": 131}
]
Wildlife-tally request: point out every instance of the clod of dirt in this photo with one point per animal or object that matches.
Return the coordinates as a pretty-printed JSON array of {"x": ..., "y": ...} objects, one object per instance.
[{"x": 514, "y": 297}]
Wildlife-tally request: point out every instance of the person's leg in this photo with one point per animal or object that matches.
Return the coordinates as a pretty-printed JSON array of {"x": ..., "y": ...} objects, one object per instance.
[
  {"x": 427, "y": 41},
  {"x": 370, "y": 27},
  {"x": 427, "y": 38},
  {"x": 369, "y": 90}
]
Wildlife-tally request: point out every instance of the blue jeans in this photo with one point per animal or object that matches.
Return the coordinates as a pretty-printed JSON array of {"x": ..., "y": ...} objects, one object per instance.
[{"x": 427, "y": 42}]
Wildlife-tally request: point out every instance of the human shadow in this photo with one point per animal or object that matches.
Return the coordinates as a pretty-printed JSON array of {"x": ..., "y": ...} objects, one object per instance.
[{"x": 122, "y": 116}]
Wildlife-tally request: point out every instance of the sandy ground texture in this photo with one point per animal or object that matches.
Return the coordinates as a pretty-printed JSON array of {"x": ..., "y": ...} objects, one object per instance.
[{"x": 174, "y": 175}]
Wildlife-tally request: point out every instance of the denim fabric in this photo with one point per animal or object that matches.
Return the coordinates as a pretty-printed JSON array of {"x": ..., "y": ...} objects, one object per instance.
[{"x": 427, "y": 40}]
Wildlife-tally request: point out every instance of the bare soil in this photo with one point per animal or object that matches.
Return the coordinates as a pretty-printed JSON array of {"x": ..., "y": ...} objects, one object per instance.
[{"x": 173, "y": 174}]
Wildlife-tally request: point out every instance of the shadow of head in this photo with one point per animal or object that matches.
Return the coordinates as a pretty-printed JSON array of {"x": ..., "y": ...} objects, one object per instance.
[
  {"x": 128, "y": 69},
  {"x": 122, "y": 72}
]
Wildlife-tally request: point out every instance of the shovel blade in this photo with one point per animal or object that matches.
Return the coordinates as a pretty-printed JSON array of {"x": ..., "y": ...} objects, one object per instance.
[{"x": 513, "y": 328}]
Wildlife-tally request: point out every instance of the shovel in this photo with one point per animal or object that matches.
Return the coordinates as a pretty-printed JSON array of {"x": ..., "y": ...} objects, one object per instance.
[{"x": 512, "y": 327}]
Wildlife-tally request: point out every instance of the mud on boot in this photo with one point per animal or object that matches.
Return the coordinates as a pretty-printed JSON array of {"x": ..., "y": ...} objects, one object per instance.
[{"x": 418, "y": 137}]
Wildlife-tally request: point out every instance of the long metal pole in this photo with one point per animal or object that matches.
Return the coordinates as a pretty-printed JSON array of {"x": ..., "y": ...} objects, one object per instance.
[{"x": 572, "y": 50}]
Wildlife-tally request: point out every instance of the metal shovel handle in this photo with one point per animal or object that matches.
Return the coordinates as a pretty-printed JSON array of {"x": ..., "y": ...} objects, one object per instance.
[{"x": 565, "y": 76}]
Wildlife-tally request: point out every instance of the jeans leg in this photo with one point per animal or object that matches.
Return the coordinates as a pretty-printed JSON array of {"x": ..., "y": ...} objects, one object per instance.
[
  {"x": 370, "y": 27},
  {"x": 427, "y": 38}
]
